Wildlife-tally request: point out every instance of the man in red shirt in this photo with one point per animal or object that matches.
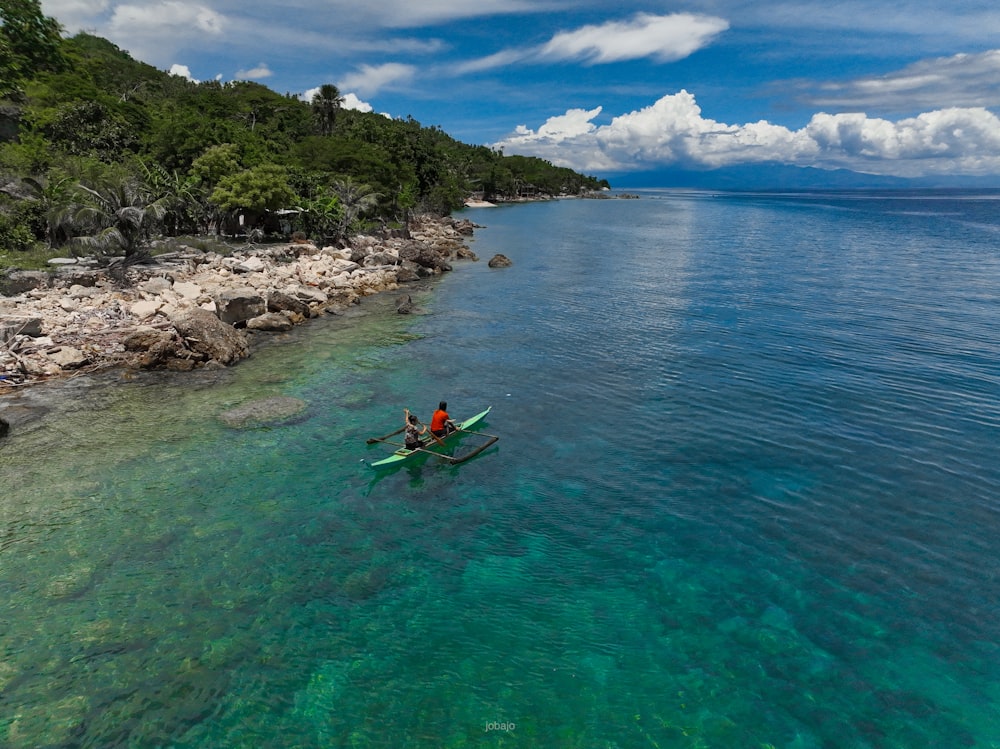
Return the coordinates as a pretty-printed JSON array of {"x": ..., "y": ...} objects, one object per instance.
[{"x": 441, "y": 423}]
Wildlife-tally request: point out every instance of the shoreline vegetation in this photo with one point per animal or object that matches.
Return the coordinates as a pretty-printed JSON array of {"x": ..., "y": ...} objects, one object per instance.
[{"x": 192, "y": 309}]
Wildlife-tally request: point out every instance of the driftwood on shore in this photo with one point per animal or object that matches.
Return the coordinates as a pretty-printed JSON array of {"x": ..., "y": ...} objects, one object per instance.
[{"x": 193, "y": 309}]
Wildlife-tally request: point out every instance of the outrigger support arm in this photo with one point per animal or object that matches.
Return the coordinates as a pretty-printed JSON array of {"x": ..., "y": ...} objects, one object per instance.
[
  {"x": 474, "y": 453},
  {"x": 373, "y": 440}
]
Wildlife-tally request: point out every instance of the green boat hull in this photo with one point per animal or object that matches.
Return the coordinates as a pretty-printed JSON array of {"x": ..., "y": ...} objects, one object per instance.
[{"x": 402, "y": 455}]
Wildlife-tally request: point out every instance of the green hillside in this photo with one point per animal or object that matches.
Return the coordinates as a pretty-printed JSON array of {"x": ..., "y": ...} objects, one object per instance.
[{"x": 101, "y": 152}]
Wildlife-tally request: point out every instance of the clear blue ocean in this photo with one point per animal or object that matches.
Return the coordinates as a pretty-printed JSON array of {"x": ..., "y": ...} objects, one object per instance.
[{"x": 747, "y": 495}]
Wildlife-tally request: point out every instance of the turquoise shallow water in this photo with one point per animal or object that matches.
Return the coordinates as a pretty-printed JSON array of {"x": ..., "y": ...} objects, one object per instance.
[{"x": 746, "y": 495}]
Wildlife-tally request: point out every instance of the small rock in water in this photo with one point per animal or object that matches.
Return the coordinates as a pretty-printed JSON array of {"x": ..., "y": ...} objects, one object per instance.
[
  {"x": 404, "y": 305},
  {"x": 275, "y": 410}
]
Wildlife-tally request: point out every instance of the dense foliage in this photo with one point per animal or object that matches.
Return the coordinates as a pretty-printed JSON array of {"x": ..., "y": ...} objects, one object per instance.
[
  {"x": 29, "y": 41},
  {"x": 102, "y": 151}
]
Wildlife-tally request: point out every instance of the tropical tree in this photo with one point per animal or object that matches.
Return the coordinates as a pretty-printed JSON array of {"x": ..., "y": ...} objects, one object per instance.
[
  {"x": 121, "y": 213},
  {"x": 207, "y": 171},
  {"x": 321, "y": 216},
  {"x": 179, "y": 195},
  {"x": 215, "y": 163},
  {"x": 29, "y": 41},
  {"x": 406, "y": 201},
  {"x": 356, "y": 200},
  {"x": 55, "y": 195},
  {"x": 326, "y": 104},
  {"x": 16, "y": 221},
  {"x": 499, "y": 183},
  {"x": 254, "y": 191},
  {"x": 89, "y": 127}
]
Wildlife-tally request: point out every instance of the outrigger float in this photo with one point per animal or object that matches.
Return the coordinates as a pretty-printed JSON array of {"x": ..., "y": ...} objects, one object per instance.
[{"x": 404, "y": 454}]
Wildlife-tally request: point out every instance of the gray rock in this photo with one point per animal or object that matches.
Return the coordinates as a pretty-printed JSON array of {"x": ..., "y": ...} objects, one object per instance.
[
  {"x": 20, "y": 281},
  {"x": 269, "y": 321},
  {"x": 500, "y": 261},
  {"x": 238, "y": 305},
  {"x": 424, "y": 256},
  {"x": 78, "y": 292},
  {"x": 187, "y": 290},
  {"x": 155, "y": 285},
  {"x": 144, "y": 338},
  {"x": 250, "y": 265},
  {"x": 358, "y": 254},
  {"x": 310, "y": 294},
  {"x": 380, "y": 258},
  {"x": 275, "y": 410},
  {"x": 206, "y": 334},
  {"x": 68, "y": 357},
  {"x": 145, "y": 308},
  {"x": 407, "y": 273},
  {"x": 343, "y": 298},
  {"x": 12, "y": 326},
  {"x": 71, "y": 276},
  {"x": 278, "y": 302},
  {"x": 157, "y": 348},
  {"x": 404, "y": 305}
]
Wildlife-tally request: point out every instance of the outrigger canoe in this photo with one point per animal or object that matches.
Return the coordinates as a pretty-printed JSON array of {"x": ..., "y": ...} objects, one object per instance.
[{"x": 404, "y": 454}]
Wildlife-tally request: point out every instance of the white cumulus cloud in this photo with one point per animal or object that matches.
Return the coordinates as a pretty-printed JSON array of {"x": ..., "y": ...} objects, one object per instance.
[
  {"x": 351, "y": 101},
  {"x": 183, "y": 71},
  {"x": 575, "y": 122},
  {"x": 673, "y": 131}
]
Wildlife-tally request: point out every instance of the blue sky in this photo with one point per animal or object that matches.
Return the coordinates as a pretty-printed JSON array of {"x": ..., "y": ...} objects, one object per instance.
[{"x": 908, "y": 88}]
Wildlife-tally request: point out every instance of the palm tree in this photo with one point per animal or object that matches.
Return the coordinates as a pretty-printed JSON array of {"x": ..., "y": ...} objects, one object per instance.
[
  {"x": 56, "y": 195},
  {"x": 326, "y": 104},
  {"x": 177, "y": 193},
  {"x": 356, "y": 199},
  {"x": 122, "y": 213}
]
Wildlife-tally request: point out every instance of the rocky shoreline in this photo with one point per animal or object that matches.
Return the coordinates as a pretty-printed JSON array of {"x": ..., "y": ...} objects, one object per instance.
[{"x": 193, "y": 309}]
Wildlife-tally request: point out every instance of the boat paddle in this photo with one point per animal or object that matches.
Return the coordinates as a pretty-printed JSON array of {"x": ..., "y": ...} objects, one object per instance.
[{"x": 436, "y": 438}]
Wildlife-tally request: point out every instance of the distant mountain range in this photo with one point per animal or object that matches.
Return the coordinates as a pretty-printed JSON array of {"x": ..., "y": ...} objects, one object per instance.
[{"x": 784, "y": 177}]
